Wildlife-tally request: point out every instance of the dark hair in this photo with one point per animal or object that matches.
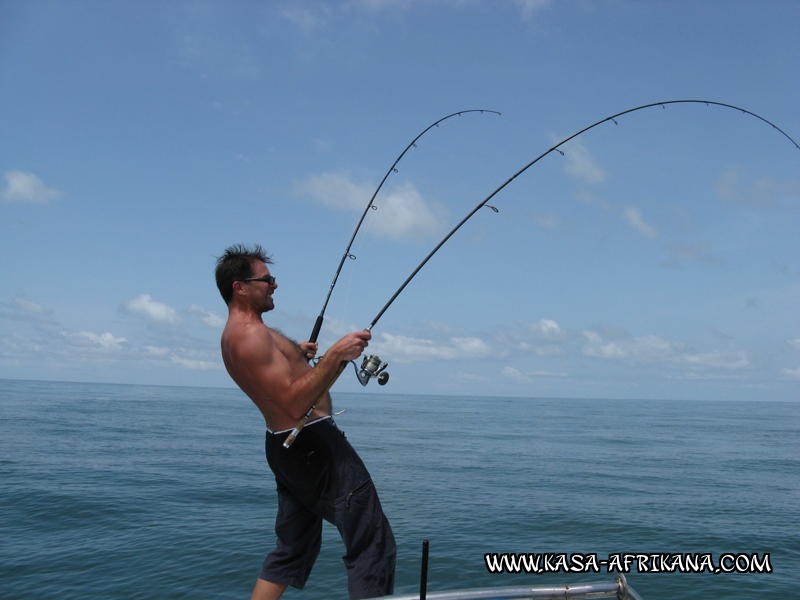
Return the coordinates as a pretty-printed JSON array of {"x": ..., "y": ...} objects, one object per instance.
[{"x": 235, "y": 265}]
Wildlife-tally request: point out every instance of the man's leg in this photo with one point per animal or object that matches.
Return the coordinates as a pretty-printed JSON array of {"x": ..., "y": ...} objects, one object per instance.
[
  {"x": 266, "y": 590},
  {"x": 368, "y": 538},
  {"x": 299, "y": 535}
]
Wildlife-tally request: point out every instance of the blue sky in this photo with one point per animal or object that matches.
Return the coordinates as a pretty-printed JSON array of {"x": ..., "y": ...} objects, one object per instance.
[{"x": 657, "y": 258}]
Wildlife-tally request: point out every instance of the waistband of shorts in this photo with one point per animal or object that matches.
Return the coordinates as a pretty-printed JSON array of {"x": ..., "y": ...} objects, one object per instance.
[{"x": 309, "y": 424}]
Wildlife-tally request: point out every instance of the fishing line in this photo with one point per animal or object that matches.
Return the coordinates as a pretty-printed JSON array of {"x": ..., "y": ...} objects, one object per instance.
[
  {"x": 370, "y": 205},
  {"x": 556, "y": 148}
]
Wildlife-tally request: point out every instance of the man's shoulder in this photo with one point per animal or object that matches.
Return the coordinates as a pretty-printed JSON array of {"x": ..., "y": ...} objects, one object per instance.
[{"x": 241, "y": 333}]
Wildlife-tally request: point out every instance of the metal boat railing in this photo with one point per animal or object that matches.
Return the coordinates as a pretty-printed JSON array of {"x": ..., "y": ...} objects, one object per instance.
[{"x": 618, "y": 588}]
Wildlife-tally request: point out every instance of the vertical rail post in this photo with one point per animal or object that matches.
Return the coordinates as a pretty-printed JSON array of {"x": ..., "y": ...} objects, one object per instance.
[{"x": 423, "y": 571}]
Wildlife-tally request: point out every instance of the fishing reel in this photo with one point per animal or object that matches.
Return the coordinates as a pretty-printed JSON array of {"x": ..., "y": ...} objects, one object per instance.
[{"x": 372, "y": 366}]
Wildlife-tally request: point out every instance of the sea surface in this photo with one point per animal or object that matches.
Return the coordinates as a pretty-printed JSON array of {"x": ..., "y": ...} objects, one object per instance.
[{"x": 125, "y": 491}]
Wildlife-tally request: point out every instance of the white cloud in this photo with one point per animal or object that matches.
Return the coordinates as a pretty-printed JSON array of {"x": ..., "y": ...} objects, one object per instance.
[
  {"x": 514, "y": 374},
  {"x": 546, "y": 328},
  {"x": 633, "y": 216},
  {"x": 596, "y": 347},
  {"x": 651, "y": 349},
  {"x": 761, "y": 193},
  {"x": 795, "y": 343},
  {"x": 411, "y": 349},
  {"x": 27, "y": 188},
  {"x": 375, "y": 5},
  {"x": 648, "y": 348},
  {"x": 156, "y": 351},
  {"x": 581, "y": 165},
  {"x": 547, "y": 221},
  {"x": 334, "y": 328},
  {"x": 527, "y": 376},
  {"x": 206, "y": 316},
  {"x": 103, "y": 341},
  {"x": 311, "y": 17},
  {"x": 151, "y": 309},
  {"x": 530, "y": 7},
  {"x": 193, "y": 363},
  {"x": 29, "y": 306},
  {"x": 187, "y": 358},
  {"x": 718, "y": 360},
  {"x": 542, "y": 338},
  {"x": 336, "y": 191},
  {"x": 468, "y": 377},
  {"x": 404, "y": 213},
  {"x": 401, "y": 212},
  {"x": 792, "y": 373},
  {"x": 548, "y": 374}
]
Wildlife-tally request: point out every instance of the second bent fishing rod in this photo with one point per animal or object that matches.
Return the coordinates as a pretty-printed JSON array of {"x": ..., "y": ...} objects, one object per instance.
[
  {"x": 365, "y": 372},
  {"x": 371, "y": 205},
  {"x": 555, "y": 148},
  {"x": 372, "y": 366}
]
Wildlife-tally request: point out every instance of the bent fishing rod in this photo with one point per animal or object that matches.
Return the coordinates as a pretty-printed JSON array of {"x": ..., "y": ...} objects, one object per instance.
[
  {"x": 613, "y": 118},
  {"x": 371, "y": 205},
  {"x": 372, "y": 365}
]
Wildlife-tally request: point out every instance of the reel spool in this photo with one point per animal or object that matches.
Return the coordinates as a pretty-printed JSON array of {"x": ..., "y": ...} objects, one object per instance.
[{"x": 372, "y": 366}]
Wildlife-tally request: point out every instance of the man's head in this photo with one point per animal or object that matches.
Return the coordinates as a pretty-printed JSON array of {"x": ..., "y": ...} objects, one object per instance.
[{"x": 237, "y": 264}]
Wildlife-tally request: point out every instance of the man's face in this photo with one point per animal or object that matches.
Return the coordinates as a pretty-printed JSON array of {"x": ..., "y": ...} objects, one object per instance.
[{"x": 260, "y": 292}]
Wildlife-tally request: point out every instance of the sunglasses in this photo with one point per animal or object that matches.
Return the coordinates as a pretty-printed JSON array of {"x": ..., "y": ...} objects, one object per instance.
[{"x": 269, "y": 279}]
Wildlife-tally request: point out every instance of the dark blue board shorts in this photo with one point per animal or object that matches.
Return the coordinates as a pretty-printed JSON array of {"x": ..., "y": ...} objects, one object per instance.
[{"x": 322, "y": 477}]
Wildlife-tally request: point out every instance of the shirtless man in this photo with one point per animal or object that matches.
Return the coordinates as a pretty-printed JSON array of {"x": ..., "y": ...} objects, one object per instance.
[{"x": 320, "y": 476}]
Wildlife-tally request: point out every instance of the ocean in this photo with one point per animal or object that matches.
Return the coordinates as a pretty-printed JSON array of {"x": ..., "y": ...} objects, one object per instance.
[{"x": 128, "y": 491}]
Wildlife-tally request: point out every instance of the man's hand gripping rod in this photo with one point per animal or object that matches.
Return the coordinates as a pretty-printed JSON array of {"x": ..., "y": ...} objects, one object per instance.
[{"x": 371, "y": 366}]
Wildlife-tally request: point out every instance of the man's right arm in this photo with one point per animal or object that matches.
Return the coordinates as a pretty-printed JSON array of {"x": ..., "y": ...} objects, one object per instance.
[{"x": 272, "y": 375}]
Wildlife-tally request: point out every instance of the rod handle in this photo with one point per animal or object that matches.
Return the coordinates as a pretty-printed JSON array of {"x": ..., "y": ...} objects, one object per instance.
[
  {"x": 315, "y": 331},
  {"x": 287, "y": 443}
]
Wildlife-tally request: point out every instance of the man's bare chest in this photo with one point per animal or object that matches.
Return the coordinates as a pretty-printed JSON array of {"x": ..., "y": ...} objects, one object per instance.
[{"x": 289, "y": 350}]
